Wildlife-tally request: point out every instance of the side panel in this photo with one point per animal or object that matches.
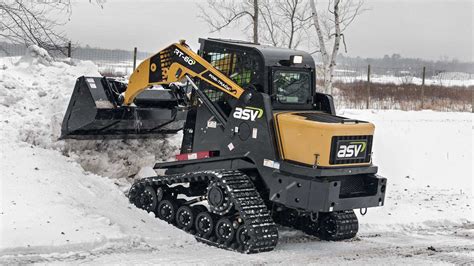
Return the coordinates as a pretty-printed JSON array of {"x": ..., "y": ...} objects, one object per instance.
[
  {"x": 208, "y": 132},
  {"x": 248, "y": 131}
]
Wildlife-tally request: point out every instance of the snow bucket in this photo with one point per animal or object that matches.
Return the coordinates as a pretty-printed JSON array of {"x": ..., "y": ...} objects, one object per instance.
[{"x": 94, "y": 112}]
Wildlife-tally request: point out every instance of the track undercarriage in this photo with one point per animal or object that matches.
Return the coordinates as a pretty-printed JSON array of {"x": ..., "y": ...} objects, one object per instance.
[{"x": 222, "y": 208}]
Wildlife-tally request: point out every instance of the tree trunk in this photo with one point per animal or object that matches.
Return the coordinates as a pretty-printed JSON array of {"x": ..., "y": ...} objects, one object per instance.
[
  {"x": 322, "y": 47},
  {"x": 329, "y": 61},
  {"x": 337, "y": 42},
  {"x": 255, "y": 21}
]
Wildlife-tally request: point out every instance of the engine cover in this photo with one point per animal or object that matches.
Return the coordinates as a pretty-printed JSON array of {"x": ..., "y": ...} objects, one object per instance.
[{"x": 323, "y": 140}]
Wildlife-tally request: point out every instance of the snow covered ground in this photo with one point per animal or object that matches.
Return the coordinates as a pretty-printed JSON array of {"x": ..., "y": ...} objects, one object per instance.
[{"x": 63, "y": 201}]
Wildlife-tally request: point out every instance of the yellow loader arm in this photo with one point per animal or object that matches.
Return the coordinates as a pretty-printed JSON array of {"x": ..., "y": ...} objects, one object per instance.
[{"x": 172, "y": 64}]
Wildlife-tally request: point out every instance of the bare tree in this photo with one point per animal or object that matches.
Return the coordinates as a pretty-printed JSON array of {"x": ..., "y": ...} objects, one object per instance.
[
  {"x": 36, "y": 22},
  {"x": 280, "y": 23},
  {"x": 330, "y": 32},
  {"x": 220, "y": 14},
  {"x": 284, "y": 22}
]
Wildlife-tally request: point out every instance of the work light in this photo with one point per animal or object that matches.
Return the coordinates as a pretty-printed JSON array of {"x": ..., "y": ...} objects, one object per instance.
[{"x": 296, "y": 59}]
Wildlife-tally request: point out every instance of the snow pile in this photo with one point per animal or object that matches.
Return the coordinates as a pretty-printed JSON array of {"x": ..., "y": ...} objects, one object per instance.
[
  {"x": 36, "y": 55},
  {"x": 34, "y": 94},
  {"x": 49, "y": 204},
  {"x": 50, "y": 200}
]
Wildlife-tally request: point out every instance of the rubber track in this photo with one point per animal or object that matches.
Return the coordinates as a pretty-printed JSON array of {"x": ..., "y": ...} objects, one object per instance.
[
  {"x": 346, "y": 223},
  {"x": 246, "y": 199}
]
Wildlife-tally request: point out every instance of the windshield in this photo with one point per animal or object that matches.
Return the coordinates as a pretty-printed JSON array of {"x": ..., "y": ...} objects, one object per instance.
[{"x": 292, "y": 86}]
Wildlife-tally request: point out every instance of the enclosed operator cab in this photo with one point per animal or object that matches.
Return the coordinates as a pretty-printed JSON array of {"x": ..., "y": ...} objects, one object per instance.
[{"x": 307, "y": 130}]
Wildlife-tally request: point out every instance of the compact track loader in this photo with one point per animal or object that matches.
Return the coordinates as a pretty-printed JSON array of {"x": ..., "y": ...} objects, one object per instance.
[{"x": 260, "y": 146}]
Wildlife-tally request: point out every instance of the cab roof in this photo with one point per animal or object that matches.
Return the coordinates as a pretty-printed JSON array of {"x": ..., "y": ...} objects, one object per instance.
[{"x": 272, "y": 56}]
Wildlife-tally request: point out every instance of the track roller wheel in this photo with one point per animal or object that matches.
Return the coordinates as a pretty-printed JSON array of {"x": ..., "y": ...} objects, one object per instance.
[
  {"x": 336, "y": 226},
  {"x": 219, "y": 201},
  {"x": 185, "y": 217},
  {"x": 147, "y": 199},
  {"x": 225, "y": 230},
  {"x": 204, "y": 224},
  {"x": 242, "y": 236},
  {"x": 167, "y": 210}
]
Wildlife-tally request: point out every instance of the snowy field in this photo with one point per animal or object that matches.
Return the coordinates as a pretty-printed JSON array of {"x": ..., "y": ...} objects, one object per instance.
[
  {"x": 446, "y": 79},
  {"x": 63, "y": 201}
]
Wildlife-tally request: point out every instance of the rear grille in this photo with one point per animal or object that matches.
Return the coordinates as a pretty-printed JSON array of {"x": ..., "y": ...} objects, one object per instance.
[
  {"x": 357, "y": 186},
  {"x": 334, "y": 149}
]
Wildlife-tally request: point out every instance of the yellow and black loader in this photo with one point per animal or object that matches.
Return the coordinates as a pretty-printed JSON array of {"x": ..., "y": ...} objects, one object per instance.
[{"x": 260, "y": 145}]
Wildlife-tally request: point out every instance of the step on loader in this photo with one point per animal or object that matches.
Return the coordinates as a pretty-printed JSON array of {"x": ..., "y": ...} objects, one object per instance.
[{"x": 261, "y": 147}]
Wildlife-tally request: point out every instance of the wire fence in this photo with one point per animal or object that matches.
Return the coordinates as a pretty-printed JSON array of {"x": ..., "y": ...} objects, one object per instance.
[
  {"x": 368, "y": 87},
  {"x": 420, "y": 75},
  {"x": 355, "y": 86},
  {"x": 111, "y": 62}
]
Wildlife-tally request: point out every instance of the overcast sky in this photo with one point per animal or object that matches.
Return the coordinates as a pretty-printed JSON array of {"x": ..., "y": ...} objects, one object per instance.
[{"x": 414, "y": 28}]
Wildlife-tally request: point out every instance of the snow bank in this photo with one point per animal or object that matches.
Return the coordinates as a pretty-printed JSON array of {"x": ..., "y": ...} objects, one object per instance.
[
  {"x": 36, "y": 55},
  {"x": 34, "y": 94},
  {"x": 51, "y": 198},
  {"x": 50, "y": 204}
]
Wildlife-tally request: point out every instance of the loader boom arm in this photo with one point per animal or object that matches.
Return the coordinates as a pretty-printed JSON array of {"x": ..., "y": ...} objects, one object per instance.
[{"x": 172, "y": 64}]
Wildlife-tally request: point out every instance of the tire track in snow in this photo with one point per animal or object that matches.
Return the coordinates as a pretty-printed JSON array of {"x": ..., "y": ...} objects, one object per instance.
[
  {"x": 367, "y": 245},
  {"x": 292, "y": 243},
  {"x": 72, "y": 252}
]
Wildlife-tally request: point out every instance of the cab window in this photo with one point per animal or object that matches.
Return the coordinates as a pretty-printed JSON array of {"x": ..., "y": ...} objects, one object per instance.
[{"x": 292, "y": 87}]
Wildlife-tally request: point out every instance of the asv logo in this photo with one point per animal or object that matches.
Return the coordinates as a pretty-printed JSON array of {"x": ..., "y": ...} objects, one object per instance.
[
  {"x": 353, "y": 149},
  {"x": 248, "y": 113}
]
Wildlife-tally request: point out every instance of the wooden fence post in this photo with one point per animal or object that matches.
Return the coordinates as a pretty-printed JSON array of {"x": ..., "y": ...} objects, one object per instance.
[
  {"x": 69, "y": 48},
  {"x": 134, "y": 58},
  {"x": 368, "y": 87},
  {"x": 423, "y": 87}
]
